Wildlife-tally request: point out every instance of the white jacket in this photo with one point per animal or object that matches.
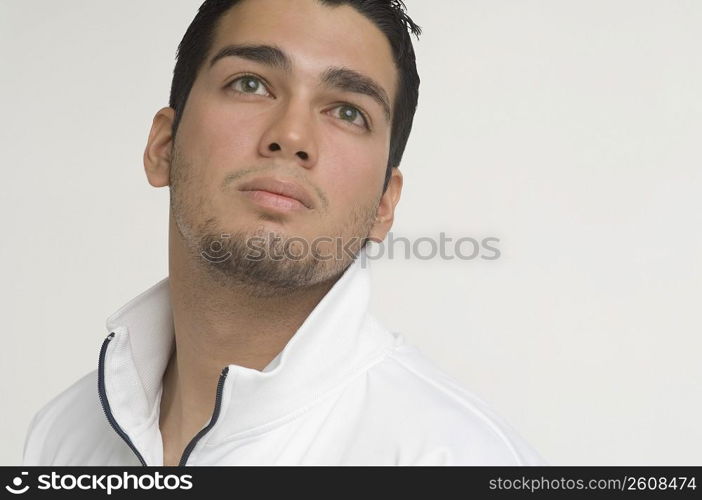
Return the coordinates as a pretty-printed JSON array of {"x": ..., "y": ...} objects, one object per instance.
[{"x": 344, "y": 390}]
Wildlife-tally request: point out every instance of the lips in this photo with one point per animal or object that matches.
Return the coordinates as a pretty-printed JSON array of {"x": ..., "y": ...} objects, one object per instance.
[{"x": 280, "y": 187}]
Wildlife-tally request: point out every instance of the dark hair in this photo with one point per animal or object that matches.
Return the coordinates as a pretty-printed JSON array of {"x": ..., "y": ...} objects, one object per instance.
[{"x": 388, "y": 15}]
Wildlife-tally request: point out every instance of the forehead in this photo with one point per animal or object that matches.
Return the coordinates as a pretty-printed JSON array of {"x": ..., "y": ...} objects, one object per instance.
[{"x": 315, "y": 36}]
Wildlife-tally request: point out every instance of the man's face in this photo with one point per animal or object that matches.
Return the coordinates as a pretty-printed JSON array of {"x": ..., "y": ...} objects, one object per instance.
[{"x": 247, "y": 118}]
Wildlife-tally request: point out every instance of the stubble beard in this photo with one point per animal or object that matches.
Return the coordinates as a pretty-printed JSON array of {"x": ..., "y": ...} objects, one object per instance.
[{"x": 261, "y": 261}]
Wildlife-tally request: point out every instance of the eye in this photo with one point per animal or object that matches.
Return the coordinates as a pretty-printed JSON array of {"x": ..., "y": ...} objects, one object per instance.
[
  {"x": 353, "y": 115},
  {"x": 249, "y": 84}
]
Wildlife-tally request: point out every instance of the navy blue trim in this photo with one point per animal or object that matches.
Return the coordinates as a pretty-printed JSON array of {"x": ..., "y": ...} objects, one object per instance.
[{"x": 105, "y": 403}]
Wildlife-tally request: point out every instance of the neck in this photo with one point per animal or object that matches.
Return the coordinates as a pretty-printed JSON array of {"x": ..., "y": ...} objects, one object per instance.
[{"x": 215, "y": 326}]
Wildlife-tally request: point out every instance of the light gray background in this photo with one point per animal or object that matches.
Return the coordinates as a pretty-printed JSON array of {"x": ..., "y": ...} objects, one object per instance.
[{"x": 568, "y": 129}]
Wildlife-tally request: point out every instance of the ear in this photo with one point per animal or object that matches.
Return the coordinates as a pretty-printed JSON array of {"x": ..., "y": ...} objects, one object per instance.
[
  {"x": 385, "y": 214},
  {"x": 157, "y": 156}
]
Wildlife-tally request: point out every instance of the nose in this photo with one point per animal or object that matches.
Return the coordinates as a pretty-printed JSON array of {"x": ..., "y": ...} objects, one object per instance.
[{"x": 290, "y": 136}]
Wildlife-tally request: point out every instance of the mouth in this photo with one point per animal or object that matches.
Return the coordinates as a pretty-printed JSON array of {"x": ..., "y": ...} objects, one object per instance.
[
  {"x": 277, "y": 194},
  {"x": 273, "y": 200}
]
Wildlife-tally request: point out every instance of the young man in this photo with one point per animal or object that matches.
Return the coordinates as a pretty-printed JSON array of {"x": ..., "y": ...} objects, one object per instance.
[{"x": 286, "y": 125}]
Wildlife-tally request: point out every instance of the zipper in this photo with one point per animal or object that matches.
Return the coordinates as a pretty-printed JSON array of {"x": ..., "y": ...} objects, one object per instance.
[
  {"x": 111, "y": 419},
  {"x": 215, "y": 415},
  {"x": 106, "y": 405}
]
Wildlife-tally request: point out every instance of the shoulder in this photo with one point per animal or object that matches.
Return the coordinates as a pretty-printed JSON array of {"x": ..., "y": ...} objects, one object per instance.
[
  {"x": 68, "y": 422},
  {"x": 436, "y": 419}
]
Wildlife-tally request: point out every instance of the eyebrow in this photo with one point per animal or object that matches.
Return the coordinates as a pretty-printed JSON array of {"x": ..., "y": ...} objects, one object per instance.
[
  {"x": 264, "y": 54},
  {"x": 352, "y": 81},
  {"x": 344, "y": 79}
]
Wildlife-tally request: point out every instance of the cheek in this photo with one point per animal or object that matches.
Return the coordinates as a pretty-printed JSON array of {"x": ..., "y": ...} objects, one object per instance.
[
  {"x": 218, "y": 139},
  {"x": 220, "y": 134},
  {"x": 353, "y": 173}
]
